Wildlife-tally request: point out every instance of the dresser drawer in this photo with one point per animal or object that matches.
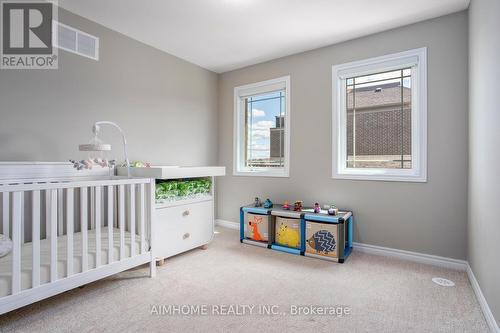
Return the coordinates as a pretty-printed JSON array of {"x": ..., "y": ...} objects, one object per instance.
[{"x": 181, "y": 228}]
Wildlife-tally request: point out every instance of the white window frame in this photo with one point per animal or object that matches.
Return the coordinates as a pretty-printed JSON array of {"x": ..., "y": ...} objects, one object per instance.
[
  {"x": 417, "y": 60},
  {"x": 240, "y": 93}
]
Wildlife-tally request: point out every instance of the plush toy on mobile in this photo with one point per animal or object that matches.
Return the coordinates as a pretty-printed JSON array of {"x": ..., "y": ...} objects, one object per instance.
[
  {"x": 297, "y": 206},
  {"x": 286, "y": 205},
  {"x": 317, "y": 208},
  {"x": 268, "y": 203}
]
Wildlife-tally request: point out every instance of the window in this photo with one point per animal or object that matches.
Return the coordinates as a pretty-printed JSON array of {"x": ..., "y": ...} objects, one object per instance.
[
  {"x": 262, "y": 128},
  {"x": 380, "y": 118}
]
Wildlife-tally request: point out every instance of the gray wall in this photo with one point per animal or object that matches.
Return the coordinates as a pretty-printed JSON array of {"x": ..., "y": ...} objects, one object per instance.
[
  {"x": 484, "y": 142},
  {"x": 167, "y": 106},
  {"x": 425, "y": 217}
]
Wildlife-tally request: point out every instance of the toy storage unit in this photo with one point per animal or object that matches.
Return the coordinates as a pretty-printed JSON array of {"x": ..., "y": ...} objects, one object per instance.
[
  {"x": 316, "y": 235},
  {"x": 184, "y": 212},
  {"x": 288, "y": 231},
  {"x": 328, "y": 237},
  {"x": 256, "y": 226}
]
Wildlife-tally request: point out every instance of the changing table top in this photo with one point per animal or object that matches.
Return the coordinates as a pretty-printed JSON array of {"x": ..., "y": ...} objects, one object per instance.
[{"x": 174, "y": 172}]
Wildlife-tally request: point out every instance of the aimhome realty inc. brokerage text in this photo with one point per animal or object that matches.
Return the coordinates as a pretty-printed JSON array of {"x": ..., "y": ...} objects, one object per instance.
[{"x": 249, "y": 309}]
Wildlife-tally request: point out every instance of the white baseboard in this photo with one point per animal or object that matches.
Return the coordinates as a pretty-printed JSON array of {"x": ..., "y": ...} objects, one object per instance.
[
  {"x": 488, "y": 315},
  {"x": 228, "y": 224},
  {"x": 422, "y": 258},
  {"x": 412, "y": 256}
]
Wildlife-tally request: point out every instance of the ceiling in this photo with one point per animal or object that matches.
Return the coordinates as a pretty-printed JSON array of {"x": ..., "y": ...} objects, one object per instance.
[{"x": 222, "y": 35}]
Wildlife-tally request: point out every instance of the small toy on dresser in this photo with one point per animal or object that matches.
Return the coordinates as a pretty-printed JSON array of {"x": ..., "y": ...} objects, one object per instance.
[
  {"x": 140, "y": 164},
  {"x": 317, "y": 208},
  {"x": 332, "y": 210},
  {"x": 257, "y": 202},
  {"x": 268, "y": 203},
  {"x": 286, "y": 205},
  {"x": 297, "y": 206}
]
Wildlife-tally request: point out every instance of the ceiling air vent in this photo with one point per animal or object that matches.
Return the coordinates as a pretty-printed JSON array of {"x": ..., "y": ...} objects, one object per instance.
[{"x": 75, "y": 41}]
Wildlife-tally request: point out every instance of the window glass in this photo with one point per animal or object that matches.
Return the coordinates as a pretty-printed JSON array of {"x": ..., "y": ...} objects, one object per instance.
[
  {"x": 378, "y": 130},
  {"x": 265, "y": 130}
]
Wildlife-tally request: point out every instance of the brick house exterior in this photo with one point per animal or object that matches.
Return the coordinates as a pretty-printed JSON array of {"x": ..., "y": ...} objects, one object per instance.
[
  {"x": 383, "y": 123},
  {"x": 277, "y": 138}
]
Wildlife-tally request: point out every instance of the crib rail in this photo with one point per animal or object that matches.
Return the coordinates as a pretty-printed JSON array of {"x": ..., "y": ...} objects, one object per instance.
[{"x": 68, "y": 227}]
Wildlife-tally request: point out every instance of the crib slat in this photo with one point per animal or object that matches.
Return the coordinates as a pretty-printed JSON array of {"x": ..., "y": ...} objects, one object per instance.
[
  {"x": 84, "y": 226},
  {"x": 6, "y": 213},
  {"x": 141, "y": 217},
  {"x": 16, "y": 239},
  {"x": 132, "y": 220},
  {"x": 92, "y": 208},
  {"x": 69, "y": 231},
  {"x": 53, "y": 235},
  {"x": 60, "y": 212},
  {"x": 97, "y": 218},
  {"x": 121, "y": 216},
  {"x": 35, "y": 218},
  {"x": 22, "y": 218},
  {"x": 47, "y": 213},
  {"x": 111, "y": 209}
]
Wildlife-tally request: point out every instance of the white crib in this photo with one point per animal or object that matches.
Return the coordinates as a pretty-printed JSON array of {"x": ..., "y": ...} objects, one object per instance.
[{"x": 69, "y": 231}]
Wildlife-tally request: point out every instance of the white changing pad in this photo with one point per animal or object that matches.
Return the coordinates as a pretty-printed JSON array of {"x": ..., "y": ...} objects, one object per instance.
[{"x": 27, "y": 259}]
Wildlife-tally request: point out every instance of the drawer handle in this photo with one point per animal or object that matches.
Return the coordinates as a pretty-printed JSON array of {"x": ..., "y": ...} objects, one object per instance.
[
  {"x": 186, "y": 213},
  {"x": 186, "y": 235}
]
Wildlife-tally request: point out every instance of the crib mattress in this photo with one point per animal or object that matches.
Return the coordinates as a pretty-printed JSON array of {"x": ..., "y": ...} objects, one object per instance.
[{"x": 27, "y": 259}]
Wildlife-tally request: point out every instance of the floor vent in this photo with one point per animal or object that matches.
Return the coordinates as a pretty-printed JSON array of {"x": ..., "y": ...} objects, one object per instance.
[
  {"x": 75, "y": 41},
  {"x": 443, "y": 282}
]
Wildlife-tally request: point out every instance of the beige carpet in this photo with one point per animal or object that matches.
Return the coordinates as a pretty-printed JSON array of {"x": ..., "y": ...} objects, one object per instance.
[{"x": 382, "y": 295}]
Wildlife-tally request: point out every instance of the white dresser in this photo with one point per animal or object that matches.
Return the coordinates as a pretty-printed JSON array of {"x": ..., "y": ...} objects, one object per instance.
[{"x": 181, "y": 225}]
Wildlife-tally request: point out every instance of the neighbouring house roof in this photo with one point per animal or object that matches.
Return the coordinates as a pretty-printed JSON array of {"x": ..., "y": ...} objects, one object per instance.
[{"x": 380, "y": 96}]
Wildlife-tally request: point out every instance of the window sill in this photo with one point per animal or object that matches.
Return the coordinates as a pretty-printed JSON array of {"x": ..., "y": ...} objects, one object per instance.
[
  {"x": 283, "y": 174},
  {"x": 381, "y": 177}
]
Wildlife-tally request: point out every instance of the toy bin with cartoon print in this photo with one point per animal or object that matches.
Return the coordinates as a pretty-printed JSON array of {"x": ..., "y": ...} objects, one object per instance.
[
  {"x": 288, "y": 231},
  {"x": 257, "y": 227},
  {"x": 322, "y": 239},
  {"x": 328, "y": 237}
]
